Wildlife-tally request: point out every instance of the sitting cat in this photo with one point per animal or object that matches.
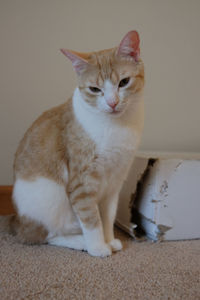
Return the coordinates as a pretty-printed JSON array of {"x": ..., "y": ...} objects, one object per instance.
[{"x": 70, "y": 166}]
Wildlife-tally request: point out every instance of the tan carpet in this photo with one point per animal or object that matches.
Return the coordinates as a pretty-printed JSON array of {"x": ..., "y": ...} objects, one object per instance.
[{"x": 168, "y": 270}]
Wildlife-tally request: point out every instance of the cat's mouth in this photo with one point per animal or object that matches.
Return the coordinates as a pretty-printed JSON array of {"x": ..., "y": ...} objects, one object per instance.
[
  {"x": 115, "y": 112},
  {"x": 118, "y": 110}
]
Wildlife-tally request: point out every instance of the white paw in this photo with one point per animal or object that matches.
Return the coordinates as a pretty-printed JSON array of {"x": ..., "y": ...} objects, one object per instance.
[
  {"x": 116, "y": 245},
  {"x": 102, "y": 250}
]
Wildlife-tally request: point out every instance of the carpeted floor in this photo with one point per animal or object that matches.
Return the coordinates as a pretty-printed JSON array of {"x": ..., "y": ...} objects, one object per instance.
[{"x": 146, "y": 270}]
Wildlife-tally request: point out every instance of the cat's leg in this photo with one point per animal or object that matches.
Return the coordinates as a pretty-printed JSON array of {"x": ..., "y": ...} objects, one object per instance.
[
  {"x": 93, "y": 233},
  {"x": 108, "y": 209},
  {"x": 87, "y": 211},
  {"x": 72, "y": 241}
]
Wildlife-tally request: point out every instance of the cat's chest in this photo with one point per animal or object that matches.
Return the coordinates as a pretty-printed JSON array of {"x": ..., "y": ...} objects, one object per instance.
[
  {"x": 115, "y": 150},
  {"x": 114, "y": 144}
]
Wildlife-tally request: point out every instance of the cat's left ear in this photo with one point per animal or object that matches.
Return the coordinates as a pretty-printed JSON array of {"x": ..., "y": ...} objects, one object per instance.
[
  {"x": 130, "y": 46},
  {"x": 79, "y": 60}
]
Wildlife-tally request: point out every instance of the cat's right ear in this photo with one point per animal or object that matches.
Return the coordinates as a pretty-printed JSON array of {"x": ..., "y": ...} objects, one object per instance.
[
  {"x": 79, "y": 60},
  {"x": 130, "y": 46}
]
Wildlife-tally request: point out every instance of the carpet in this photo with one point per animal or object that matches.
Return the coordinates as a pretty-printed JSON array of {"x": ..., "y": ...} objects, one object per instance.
[{"x": 143, "y": 270}]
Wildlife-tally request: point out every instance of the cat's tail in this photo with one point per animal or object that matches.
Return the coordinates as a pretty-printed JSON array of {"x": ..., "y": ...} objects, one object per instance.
[
  {"x": 26, "y": 231},
  {"x": 8, "y": 224}
]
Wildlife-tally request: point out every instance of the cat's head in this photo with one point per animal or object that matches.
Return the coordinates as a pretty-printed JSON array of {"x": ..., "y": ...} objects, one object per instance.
[{"x": 109, "y": 79}]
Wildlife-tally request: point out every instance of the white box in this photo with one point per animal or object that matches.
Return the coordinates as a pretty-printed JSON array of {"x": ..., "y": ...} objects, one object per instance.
[{"x": 162, "y": 194}]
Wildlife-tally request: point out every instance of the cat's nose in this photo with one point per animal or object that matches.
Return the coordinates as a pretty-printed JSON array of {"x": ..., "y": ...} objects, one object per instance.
[
  {"x": 112, "y": 101},
  {"x": 112, "y": 104}
]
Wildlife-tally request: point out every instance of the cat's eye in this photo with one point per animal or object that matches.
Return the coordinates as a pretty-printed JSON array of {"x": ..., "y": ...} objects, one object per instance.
[
  {"x": 124, "y": 82},
  {"x": 94, "y": 89}
]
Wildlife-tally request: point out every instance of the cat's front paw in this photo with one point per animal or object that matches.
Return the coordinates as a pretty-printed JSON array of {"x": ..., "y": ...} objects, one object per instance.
[
  {"x": 102, "y": 250},
  {"x": 116, "y": 245}
]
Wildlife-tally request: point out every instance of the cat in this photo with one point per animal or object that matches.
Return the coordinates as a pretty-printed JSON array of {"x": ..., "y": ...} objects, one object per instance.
[{"x": 71, "y": 163}]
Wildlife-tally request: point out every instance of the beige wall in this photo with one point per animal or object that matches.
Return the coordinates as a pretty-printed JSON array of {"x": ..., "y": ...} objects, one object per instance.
[{"x": 35, "y": 76}]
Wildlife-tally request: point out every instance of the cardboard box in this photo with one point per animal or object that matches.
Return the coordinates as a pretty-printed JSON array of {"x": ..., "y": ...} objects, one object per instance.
[{"x": 161, "y": 197}]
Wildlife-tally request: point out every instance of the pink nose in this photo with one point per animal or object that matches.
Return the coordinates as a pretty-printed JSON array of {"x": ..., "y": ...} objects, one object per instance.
[{"x": 112, "y": 104}]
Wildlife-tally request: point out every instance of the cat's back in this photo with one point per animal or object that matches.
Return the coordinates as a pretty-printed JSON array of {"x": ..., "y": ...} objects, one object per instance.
[{"x": 42, "y": 147}]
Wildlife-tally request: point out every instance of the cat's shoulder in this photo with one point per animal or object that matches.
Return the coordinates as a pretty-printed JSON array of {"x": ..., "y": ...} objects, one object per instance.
[
  {"x": 47, "y": 127},
  {"x": 54, "y": 117},
  {"x": 55, "y": 114}
]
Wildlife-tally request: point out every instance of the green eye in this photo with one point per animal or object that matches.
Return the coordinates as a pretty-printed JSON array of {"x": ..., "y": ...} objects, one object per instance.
[
  {"x": 94, "y": 89},
  {"x": 124, "y": 82}
]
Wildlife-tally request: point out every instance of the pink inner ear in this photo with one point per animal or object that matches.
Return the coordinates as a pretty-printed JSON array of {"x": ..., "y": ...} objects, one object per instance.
[
  {"x": 130, "y": 45},
  {"x": 78, "y": 62}
]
